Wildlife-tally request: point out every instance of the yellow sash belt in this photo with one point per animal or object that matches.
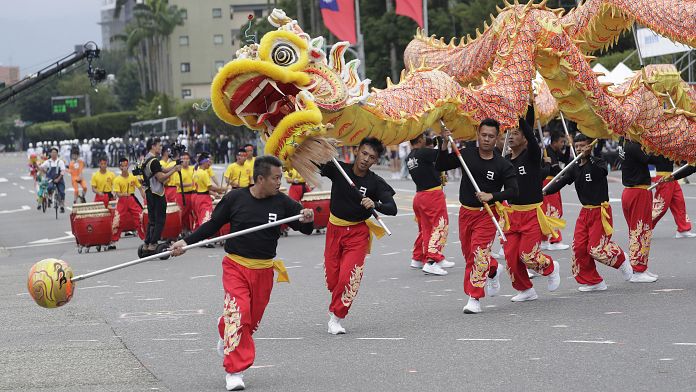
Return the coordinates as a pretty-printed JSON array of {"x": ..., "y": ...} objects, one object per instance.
[
  {"x": 605, "y": 216},
  {"x": 548, "y": 224},
  {"x": 375, "y": 229},
  {"x": 664, "y": 174},
  {"x": 437, "y": 188},
  {"x": 638, "y": 187},
  {"x": 276, "y": 264}
]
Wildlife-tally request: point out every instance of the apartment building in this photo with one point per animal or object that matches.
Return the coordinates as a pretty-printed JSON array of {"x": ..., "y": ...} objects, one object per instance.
[{"x": 9, "y": 74}]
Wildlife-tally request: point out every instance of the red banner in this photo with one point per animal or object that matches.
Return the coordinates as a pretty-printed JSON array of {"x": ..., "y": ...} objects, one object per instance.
[
  {"x": 412, "y": 9},
  {"x": 339, "y": 18}
]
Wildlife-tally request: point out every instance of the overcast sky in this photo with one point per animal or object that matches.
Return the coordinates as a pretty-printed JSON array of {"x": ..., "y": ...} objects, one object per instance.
[{"x": 33, "y": 33}]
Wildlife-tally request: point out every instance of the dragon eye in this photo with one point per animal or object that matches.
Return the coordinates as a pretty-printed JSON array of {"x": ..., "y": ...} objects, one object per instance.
[{"x": 284, "y": 54}]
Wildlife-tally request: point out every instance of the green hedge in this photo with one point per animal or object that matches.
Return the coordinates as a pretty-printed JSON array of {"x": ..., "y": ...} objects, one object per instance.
[
  {"x": 49, "y": 131},
  {"x": 103, "y": 126}
]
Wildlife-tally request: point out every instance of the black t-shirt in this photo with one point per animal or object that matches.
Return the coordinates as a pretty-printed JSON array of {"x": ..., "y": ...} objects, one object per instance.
[
  {"x": 242, "y": 210},
  {"x": 345, "y": 200},
  {"x": 685, "y": 173},
  {"x": 662, "y": 164},
  {"x": 528, "y": 167},
  {"x": 490, "y": 175},
  {"x": 554, "y": 167},
  {"x": 421, "y": 167},
  {"x": 590, "y": 181},
  {"x": 634, "y": 169}
]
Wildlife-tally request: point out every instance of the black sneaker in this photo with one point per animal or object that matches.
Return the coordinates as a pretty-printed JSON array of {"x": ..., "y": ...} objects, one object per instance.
[
  {"x": 111, "y": 247},
  {"x": 38, "y": 207},
  {"x": 62, "y": 210}
]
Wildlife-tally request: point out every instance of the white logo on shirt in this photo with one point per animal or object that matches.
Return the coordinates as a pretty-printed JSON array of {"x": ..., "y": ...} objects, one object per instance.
[
  {"x": 412, "y": 163},
  {"x": 490, "y": 175},
  {"x": 622, "y": 153},
  {"x": 363, "y": 191},
  {"x": 522, "y": 170},
  {"x": 272, "y": 217},
  {"x": 588, "y": 177}
]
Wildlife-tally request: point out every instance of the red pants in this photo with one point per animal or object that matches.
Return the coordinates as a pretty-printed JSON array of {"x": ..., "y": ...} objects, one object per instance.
[
  {"x": 187, "y": 218},
  {"x": 669, "y": 196},
  {"x": 590, "y": 244},
  {"x": 553, "y": 206},
  {"x": 344, "y": 259},
  {"x": 433, "y": 225},
  {"x": 296, "y": 191},
  {"x": 104, "y": 198},
  {"x": 637, "y": 209},
  {"x": 202, "y": 208},
  {"x": 476, "y": 234},
  {"x": 522, "y": 249},
  {"x": 247, "y": 292},
  {"x": 170, "y": 194},
  {"x": 127, "y": 216}
]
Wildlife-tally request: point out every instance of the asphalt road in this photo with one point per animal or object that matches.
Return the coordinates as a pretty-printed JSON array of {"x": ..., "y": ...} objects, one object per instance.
[{"x": 152, "y": 326}]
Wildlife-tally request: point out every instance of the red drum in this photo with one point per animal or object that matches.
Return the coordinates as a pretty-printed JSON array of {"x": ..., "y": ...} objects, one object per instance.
[
  {"x": 319, "y": 202},
  {"x": 172, "y": 223},
  {"x": 91, "y": 225}
]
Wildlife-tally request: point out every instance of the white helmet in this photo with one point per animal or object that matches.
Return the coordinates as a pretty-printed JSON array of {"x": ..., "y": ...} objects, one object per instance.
[{"x": 31, "y": 145}]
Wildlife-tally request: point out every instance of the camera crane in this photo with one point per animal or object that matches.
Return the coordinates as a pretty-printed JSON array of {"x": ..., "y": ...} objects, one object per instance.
[{"x": 89, "y": 51}]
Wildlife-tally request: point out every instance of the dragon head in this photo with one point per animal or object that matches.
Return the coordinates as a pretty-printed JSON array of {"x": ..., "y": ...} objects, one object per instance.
[{"x": 280, "y": 86}]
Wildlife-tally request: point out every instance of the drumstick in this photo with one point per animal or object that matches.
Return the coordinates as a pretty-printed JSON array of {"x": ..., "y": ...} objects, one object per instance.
[
  {"x": 372, "y": 210},
  {"x": 196, "y": 245}
]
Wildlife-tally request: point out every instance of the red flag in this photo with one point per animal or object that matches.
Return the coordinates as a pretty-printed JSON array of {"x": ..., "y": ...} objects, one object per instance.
[
  {"x": 411, "y": 8},
  {"x": 339, "y": 18}
]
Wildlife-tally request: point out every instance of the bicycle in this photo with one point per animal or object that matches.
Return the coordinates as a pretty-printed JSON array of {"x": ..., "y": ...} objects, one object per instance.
[{"x": 41, "y": 194}]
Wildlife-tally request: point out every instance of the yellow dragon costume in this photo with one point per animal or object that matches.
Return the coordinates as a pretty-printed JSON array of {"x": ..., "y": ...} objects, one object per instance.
[{"x": 297, "y": 96}]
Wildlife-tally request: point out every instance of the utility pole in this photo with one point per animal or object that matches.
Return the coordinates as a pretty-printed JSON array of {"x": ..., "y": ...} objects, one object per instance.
[
  {"x": 392, "y": 49},
  {"x": 360, "y": 43}
]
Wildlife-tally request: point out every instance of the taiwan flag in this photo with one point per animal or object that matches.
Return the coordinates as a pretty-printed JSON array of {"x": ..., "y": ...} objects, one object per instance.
[
  {"x": 339, "y": 18},
  {"x": 411, "y": 8}
]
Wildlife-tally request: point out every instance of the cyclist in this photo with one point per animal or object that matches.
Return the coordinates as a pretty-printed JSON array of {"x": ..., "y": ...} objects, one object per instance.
[
  {"x": 54, "y": 169},
  {"x": 77, "y": 165}
]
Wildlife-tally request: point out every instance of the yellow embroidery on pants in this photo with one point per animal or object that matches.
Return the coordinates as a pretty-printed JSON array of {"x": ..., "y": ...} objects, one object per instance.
[
  {"x": 351, "y": 289},
  {"x": 233, "y": 324},
  {"x": 480, "y": 269},
  {"x": 535, "y": 260},
  {"x": 438, "y": 238},
  {"x": 606, "y": 251},
  {"x": 574, "y": 267},
  {"x": 552, "y": 211},
  {"x": 639, "y": 243},
  {"x": 658, "y": 206}
]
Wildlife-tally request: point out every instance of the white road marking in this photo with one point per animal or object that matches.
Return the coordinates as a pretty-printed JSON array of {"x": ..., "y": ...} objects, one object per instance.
[
  {"x": 22, "y": 187},
  {"x": 293, "y": 266},
  {"x": 47, "y": 240},
  {"x": 175, "y": 339},
  {"x": 559, "y": 326},
  {"x": 150, "y": 281},
  {"x": 3, "y": 194},
  {"x": 21, "y": 294},
  {"x": 590, "y": 341},
  {"x": 36, "y": 245},
  {"x": 379, "y": 338},
  {"x": 3, "y": 179},
  {"x": 278, "y": 338},
  {"x": 684, "y": 344},
  {"x": 184, "y": 334},
  {"x": 14, "y": 183},
  {"x": 149, "y": 299},
  {"x": 23, "y": 208},
  {"x": 666, "y": 359},
  {"x": 85, "y": 340},
  {"x": 390, "y": 253},
  {"x": 202, "y": 276},
  {"x": 27, "y": 178},
  {"x": 261, "y": 366},
  {"x": 613, "y": 312},
  {"x": 483, "y": 340},
  {"x": 667, "y": 290},
  {"x": 32, "y": 192},
  {"x": 104, "y": 286}
]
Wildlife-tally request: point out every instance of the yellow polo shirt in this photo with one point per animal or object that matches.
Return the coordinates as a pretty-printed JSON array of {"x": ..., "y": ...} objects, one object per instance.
[
  {"x": 249, "y": 164},
  {"x": 201, "y": 180},
  {"x": 174, "y": 178},
  {"x": 103, "y": 182},
  {"x": 126, "y": 185},
  {"x": 186, "y": 178},
  {"x": 292, "y": 174},
  {"x": 239, "y": 174}
]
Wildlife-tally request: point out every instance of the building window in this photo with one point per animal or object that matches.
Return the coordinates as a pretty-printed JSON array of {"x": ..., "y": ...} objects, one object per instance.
[
  {"x": 258, "y": 14},
  {"x": 183, "y": 40},
  {"x": 217, "y": 13},
  {"x": 217, "y": 39},
  {"x": 231, "y": 12},
  {"x": 184, "y": 14},
  {"x": 185, "y": 67},
  {"x": 186, "y": 93},
  {"x": 219, "y": 64}
]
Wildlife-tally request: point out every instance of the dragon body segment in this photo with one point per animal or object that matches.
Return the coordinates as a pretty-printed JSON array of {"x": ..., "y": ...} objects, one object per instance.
[{"x": 298, "y": 96}]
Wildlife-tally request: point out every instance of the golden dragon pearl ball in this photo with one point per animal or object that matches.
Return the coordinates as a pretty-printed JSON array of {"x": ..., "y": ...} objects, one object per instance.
[{"x": 50, "y": 283}]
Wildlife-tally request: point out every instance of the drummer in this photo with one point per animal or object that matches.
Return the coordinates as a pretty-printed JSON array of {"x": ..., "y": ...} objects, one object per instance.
[
  {"x": 202, "y": 201},
  {"x": 102, "y": 183},
  {"x": 298, "y": 186},
  {"x": 128, "y": 206},
  {"x": 238, "y": 174}
]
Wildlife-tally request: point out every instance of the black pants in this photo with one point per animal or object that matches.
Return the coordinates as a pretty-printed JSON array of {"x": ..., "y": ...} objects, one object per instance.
[{"x": 157, "y": 213}]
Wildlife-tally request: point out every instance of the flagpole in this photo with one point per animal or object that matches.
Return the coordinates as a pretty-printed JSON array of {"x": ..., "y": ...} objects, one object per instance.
[
  {"x": 359, "y": 37},
  {"x": 425, "y": 17}
]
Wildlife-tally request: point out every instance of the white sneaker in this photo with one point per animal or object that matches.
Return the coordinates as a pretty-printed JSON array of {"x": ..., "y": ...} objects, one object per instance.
[
  {"x": 234, "y": 381},
  {"x": 554, "y": 277},
  {"x": 221, "y": 348},
  {"x": 685, "y": 234},
  {"x": 532, "y": 274},
  {"x": 544, "y": 245},
  {"x": 433, "y": 269},
  {"x": 601, "y": 286},
  {"x": 498, "y": 255},
  {"x": 493, "y": 284},
  {"x": 335, "y": 327},
  {"x": 527, "y": 295},
  {"x": 446, "y": 264},
  {"x": 473, "y": 306},
  {"x": 642, "y": 277},
  {"x": 558, "y": 246},
  {"x": 626, "y": 269},
  {"x": 416, "y": 264},
  {"x": 650, "y": 273}
]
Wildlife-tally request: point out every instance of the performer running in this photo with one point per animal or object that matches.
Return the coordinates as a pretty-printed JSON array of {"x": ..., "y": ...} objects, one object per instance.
[
  {"x": 593, "y": 228},
  {"x": 525, "y": 221},
  {"x": 102, "y": 182},
  {"x": 75, "y": 168},
  {"x": 636, "y": 201},
  {"x": 669, "y": 196},
  {"x": 430, "y": 207},
  {"x": 128, "y": 208},
  {"x": 238, "y": 174},
  {"x": 553, "y": 204},
  {"x": 247, "y": 269},
  {"x": 349, "y": 232},
  {"x": 476, "y": 229}
]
